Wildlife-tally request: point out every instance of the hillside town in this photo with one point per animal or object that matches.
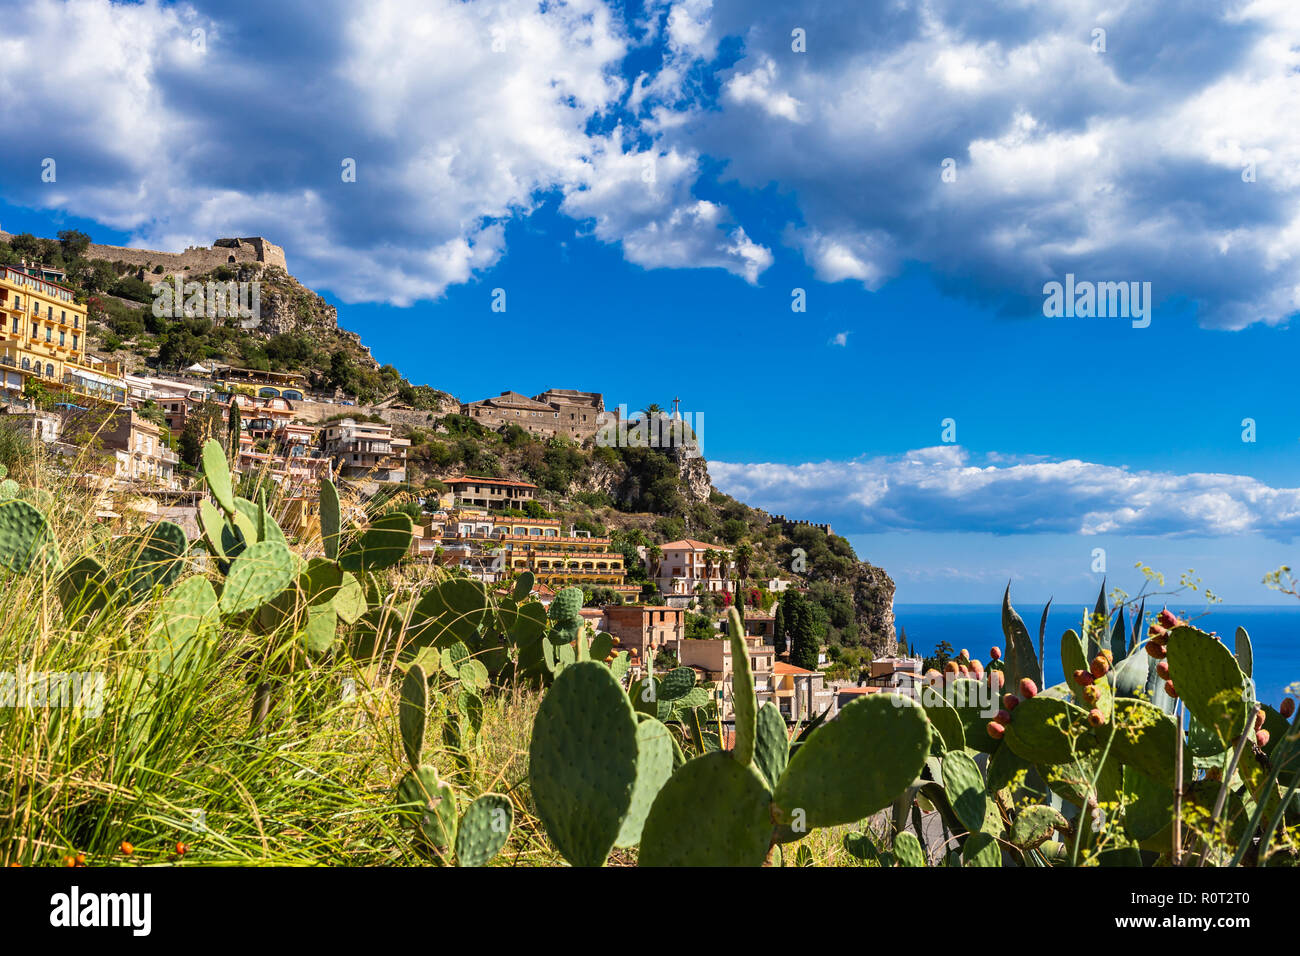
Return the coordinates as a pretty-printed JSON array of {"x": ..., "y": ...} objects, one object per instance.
[{"x": 118, "y": 431}]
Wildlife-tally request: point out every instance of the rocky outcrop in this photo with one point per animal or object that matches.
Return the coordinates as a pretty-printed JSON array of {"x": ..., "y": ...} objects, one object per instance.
[
  {"x": 694, "y": 474},
  {"x": 873, "y": 602}
]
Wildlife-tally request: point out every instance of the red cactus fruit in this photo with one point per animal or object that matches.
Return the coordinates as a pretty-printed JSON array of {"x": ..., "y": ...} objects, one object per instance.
[
  {"x": 1082, "y": 678},
  {"x": 952, "y": 667},
  {"x": 996, "y": 680},
  {"x": 964, "y": 655},
  {"x": 1003, "y": 717},
  {"x": 1027, "y": 688},
  {"x": 127, "y": 848},
  {"x": 1158, "y": 634},
  {"x": 1096, "y": 718},
  {"x": 996, "y": 730},
  {"x": 1259, "y": 720},
  {"x": 1169, "y": 689},
  {"x": 1162, "y": 670},
  {"x": 1110, "y": 658},
  {"x": 1157, "y": 650},
  {"x": 1100, "y": 667},
  {"x": 1009, "y": 701},
  {"x": 977, "y": 668},
  {"x": 995, "y": 653},
  {"x": 1261, "y": 738},
  {"x": 1168, "y": 618},
  {"x": 1090, "y": 693},
  {"x": 1287, "y": 708},
  {"x": 181, "y": 849}
]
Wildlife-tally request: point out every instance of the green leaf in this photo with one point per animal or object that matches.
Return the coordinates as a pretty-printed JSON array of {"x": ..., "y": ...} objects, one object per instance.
[{"x": 744, "y": 698}]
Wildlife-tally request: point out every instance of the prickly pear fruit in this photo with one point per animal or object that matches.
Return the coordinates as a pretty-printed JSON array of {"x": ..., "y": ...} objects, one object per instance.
[
  {"x": 1261, "y": 739},
  {"x": 1157, "y": 650},
  {"x": 1028, "y": 688},
  {"x": 1158, "y": 634},
  {"x": 1003, "y": 717},
  {"x": 1009, "y": 701},
  {"x": 1082, "y": 678},
  {"x": 1100, "y": 667},
  {"x": 952, "y": 667},
  {"x": 996, "y": 730},
  {"x": 1287, "y": 708},
  {"x": 1259, "y": 720},
  {"x": 1090, "y": 694},
  {"x": 1169, "y": 689},
  {"x": 1162, "y": 670},
  {"x": 996, "y": 680},
  {"x": 1168, "y": 618},
  {"x": 964, "y": 655},
  {"x": 1096, "y": 718},
  {"x": 995, "y": 653}
]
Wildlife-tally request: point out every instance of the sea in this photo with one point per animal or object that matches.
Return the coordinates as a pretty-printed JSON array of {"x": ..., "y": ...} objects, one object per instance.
[{"x": 1274, "y": 635}]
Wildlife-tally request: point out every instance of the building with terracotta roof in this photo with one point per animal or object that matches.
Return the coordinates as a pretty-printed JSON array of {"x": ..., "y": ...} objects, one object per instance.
[
  {"x": 801, "y": 694},
  {"x": 686, "y": 566}
]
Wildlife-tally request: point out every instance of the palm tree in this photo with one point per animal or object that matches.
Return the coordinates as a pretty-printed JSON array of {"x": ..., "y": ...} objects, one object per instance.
[
  {"x": 656, "y": 556},
  {"x": 710, "y": 561},
  {"x": 743, "y": 555}
]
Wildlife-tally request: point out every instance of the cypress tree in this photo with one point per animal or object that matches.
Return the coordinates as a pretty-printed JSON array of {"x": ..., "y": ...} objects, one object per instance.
[{"x": 778, "y": 627}]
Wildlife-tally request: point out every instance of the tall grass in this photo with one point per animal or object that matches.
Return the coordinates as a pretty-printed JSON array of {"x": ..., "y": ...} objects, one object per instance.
[{"x": 182, "y": 761}]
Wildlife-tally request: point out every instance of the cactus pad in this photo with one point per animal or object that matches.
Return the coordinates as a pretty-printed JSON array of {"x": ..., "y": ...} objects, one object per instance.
[
  {"x": 412, "y": 713},
  {"x": 484, "y": 830},
  {"x": 331, "y": 519},
  {"x": 1047, "y": 730},
  {"x": 1034, "y": 826},
  {"x": 216, "y": 470},
  {"x": 654, "y": 743},
  {"x": 24, "y": 534},
  {"x": 1210, "y": 683},
  {"x": 907, "y": 849},
  {"x": 771, "y": 744},
  {"x": 714, "y": 811},
  {"x": 431, "y": 804},
  {"x": 260, "y": 572},
  {"x": 583, "y": 761},
  {"x": 744, "y": 698},
  {"x": 856, "y": 764},
  {"x": 185, "y": 625},
  {"x": 964, "y": 786},
  {"x": 382, "y": 545}
]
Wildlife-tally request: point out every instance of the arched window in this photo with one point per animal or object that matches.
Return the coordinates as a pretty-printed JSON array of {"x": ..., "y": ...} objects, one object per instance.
[{"x": 49, "y": 370}]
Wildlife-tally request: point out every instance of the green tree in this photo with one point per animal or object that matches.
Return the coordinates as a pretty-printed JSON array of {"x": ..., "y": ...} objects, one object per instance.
[
  {"x": 778, "y": 626},
  {"x": 805, "y": 640}
]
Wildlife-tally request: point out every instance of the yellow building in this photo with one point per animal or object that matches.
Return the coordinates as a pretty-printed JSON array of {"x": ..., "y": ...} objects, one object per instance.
[{"x": 43, "y": 337}]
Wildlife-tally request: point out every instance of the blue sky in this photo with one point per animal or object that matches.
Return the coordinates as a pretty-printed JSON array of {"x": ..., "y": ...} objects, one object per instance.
[{"x": 649, "y": 182}]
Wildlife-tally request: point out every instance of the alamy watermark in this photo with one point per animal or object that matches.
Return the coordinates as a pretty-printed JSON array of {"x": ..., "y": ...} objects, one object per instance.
[
  {"x": 680, "y": 430},
  {"x": 1083, "y": 299},
  {"x": 32, "y": 690},
  {"x": 211, "y": 300}
]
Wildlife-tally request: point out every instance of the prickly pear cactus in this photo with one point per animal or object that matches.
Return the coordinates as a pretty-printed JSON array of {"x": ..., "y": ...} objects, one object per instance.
[
  {"x": 583, "y": 762},
  {"x": 484, "y": 830}
]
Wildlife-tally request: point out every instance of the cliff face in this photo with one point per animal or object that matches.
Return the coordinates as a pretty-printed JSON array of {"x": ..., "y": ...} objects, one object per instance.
[
  {"x": 873, "y": 602},
  {"x": 694, "y": 475}
]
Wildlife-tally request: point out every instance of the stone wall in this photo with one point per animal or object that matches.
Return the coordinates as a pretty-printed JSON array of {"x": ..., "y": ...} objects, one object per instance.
[{"x": 196, "y": 259}]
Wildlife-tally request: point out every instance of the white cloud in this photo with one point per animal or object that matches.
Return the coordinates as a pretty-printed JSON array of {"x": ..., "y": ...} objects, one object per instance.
[{"x": 940, "y": 489}]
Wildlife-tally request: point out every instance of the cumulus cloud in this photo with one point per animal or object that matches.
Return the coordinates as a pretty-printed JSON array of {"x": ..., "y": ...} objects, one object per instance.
[
  {"x": 1119, "y": 165},
  {"x": 1066, "y": 158},
  {"x": 179, "y": 124},
  {"x": 943, "y": 489}
]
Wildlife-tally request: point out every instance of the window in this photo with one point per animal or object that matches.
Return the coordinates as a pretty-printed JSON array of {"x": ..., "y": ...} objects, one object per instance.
[
  {"x": 35, "y": 330},
  {"x": 74, "y": 340},
  {"x": 49, "y": 333},
  {"x": 49, "y": 370},
  {"x": 61, "y": 342}
]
